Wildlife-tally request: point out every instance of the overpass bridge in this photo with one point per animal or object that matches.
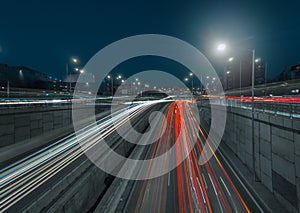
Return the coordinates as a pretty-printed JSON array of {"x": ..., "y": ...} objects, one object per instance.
[{"x": 49, "y": 170}]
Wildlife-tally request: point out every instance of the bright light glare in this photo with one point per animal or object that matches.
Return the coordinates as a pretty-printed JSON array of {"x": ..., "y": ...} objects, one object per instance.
[
  {"x": 186, "y": 79},
  {"x": 221, "y": 47},
  {"x": 230, "y": 59}
]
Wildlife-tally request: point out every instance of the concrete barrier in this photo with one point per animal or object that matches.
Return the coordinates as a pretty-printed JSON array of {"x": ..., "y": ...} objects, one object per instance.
[
  {"x": 78, "y": 187},
  {"x": 18, "y": 123},
  {"x": 277, "y": 149}
]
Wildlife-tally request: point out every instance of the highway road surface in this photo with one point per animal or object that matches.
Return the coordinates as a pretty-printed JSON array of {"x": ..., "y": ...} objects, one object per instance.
[
  {"x": 190, "y": 187},
  {"x": 212, "y": 187}
]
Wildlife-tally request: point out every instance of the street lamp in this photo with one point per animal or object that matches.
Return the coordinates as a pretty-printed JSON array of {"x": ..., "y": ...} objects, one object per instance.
[
  {"x": 222, "y": 47},
  {"x": 111, "y": 77},
  {"x": 230, "y": 60},
  {"x": 141, "y": 88},
  {"x": 191, "y": 74},
  {"x": 74, "y": 61},
  {"x": 112, "y": 84}
]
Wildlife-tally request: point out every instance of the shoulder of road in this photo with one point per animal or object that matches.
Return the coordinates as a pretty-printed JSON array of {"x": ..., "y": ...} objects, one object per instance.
[{"x": 265, "y": 198}]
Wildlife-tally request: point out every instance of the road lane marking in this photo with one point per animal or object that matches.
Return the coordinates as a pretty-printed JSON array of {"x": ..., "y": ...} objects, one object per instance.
[
  {"x": 206, "y": 186},
  {"x": 225, "y": 186}
]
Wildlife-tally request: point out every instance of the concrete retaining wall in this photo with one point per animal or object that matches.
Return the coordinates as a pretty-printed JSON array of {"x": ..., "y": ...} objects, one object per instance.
[
  {"x": 22, "y": 123},
  {"x": 18, "y": 124},
  {"x": 277, "y": 150},
  {"x": 77, "y": 187}
]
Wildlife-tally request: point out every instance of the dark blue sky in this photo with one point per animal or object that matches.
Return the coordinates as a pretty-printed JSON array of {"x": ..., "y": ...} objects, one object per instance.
[{"x": 45, "y": 34}]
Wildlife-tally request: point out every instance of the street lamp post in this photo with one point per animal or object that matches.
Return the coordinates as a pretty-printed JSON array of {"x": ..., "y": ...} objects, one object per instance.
[
  {"x": 252, "y": 117},
  {"x": 141, "y": 88},
  {"x": 266, "y": 76},
  {"x": 68, "y": 76},
  {"x": 191, "y": 74},
  {"x": 7, "y": 89},
  {"x": 240, "y": 69},
  {"x": 222, "y": 47},
  {"x": 112, "y": 84},
  {"x": 240, "y": 78},
  {"x": 119, "y": 77}
]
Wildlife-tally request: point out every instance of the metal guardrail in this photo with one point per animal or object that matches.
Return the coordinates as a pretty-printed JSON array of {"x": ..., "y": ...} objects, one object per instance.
[{"x": 276, "y": 108}]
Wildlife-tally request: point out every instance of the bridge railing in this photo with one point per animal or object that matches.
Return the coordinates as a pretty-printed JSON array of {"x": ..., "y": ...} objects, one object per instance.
[{"x": 274, "y": 107}]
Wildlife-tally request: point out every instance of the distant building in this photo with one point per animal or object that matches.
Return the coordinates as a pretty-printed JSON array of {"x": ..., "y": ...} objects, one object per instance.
[
  {"x": 238, "y": 73},
  {"x": 290, "y": 73},
  {"x": 23, "y": 77}
]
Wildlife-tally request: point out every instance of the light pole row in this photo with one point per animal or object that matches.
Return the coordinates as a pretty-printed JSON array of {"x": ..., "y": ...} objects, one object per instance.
[
  {"x": 74, "y": 61},
  {"x": 119, "y": 77},
  {"x": 222, "y": 47}
]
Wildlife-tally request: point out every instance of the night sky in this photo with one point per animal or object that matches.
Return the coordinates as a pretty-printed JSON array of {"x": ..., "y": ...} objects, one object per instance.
[{"x": 43, "y": 35}]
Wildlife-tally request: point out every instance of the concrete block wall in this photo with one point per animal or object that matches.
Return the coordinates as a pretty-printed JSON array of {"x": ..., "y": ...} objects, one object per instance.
[
  {"x": 77, "y": 190},
  {"x": 277, "y": 150},
  {"x": 19, "y": 124}
]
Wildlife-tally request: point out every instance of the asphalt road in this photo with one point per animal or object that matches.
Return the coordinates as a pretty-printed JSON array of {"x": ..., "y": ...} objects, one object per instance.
[
  {"x": 189, "y": 187},
  {"x": 212, "y": 187}
]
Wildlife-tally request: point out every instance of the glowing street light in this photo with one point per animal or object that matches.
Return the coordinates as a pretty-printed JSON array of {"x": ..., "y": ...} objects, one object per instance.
[
  {"x": 112, "y": 84},
  {"x": 221, "y": 47},
  {"x": 74, "y": 61},
  {"x": 186, "y": 79},
  {"x": 230, "y": 59}
]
